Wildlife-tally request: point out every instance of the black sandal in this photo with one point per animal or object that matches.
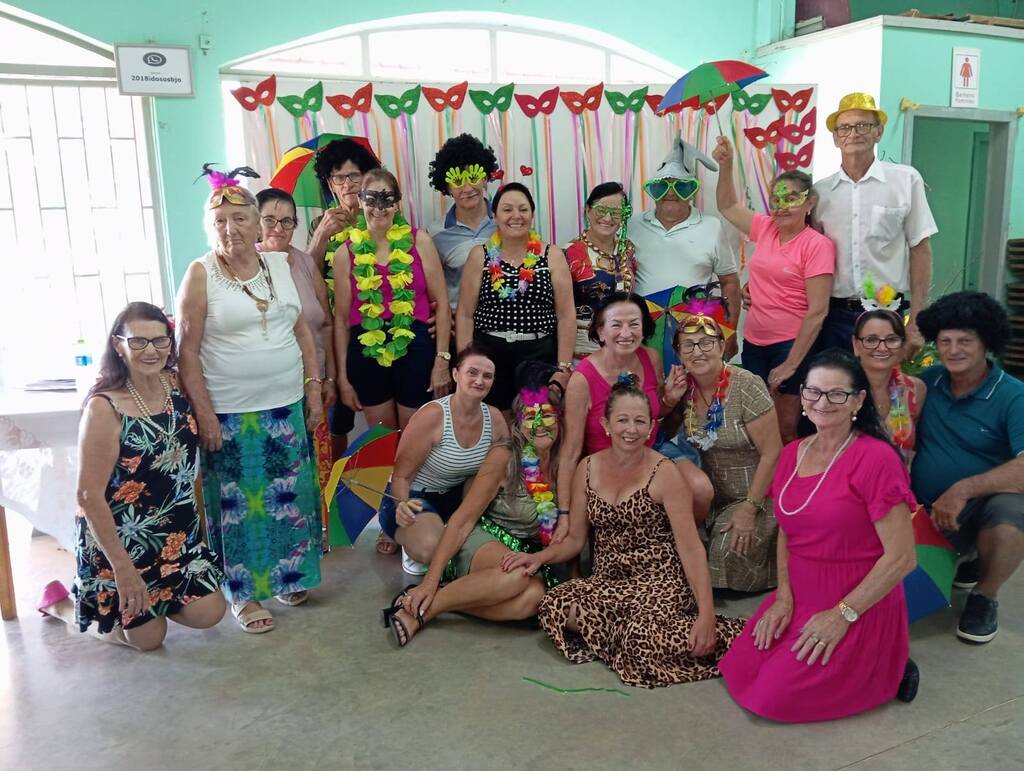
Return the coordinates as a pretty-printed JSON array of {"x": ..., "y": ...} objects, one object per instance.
[
  {"x": 396, "y": 624},
  {"x": 908, "y": 685},
  {"x": 389, "y": 611}
]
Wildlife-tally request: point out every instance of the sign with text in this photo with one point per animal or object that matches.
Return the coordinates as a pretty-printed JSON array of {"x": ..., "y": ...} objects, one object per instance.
[
  {"x": 966, "y": 77},
  {"x": 152, "y": 70}
]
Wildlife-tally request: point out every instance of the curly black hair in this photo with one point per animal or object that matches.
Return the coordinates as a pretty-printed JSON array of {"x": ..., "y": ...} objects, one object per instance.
[
  {"x": 333, "y": 155},
  {"x": 463, "y": 150},
  {"x": 974, "y": 311}
]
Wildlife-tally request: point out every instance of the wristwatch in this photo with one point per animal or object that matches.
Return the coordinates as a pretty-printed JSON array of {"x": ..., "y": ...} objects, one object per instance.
[
  {"x": 848, "y": 613},
  {"x": 444, "y": 355}
]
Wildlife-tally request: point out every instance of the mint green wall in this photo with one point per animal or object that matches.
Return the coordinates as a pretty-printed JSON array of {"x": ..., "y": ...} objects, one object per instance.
[
  {"x": 863, "y": 9},
  {"x": 190, "y": 131},
  {"x": 917, "y": 63}
]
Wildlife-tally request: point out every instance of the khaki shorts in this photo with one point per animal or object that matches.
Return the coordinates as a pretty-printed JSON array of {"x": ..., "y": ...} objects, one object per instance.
[{"x": 462, "y": 561}]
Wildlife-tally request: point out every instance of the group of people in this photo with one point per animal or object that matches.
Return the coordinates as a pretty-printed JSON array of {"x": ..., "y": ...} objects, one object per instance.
[{"x": 546, "y": 425}]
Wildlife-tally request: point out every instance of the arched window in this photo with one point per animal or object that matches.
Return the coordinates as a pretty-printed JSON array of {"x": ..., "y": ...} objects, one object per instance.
[{"x": 78, "y": 224}]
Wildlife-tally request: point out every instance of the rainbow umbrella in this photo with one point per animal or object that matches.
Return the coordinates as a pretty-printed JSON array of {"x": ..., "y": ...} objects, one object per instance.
[
  {"x": 708, "y": 83},
  {"x": 670, "y": 305},
  {"x": 296, "y": 174},
  {"x": 929, "y": 585},
  {"x": 357, "y": 483}
]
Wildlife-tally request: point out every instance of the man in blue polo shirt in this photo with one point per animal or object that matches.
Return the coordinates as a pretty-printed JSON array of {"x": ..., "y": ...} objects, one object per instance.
[
  {"x": 462, "y": 168},
  {"x": 969, "y": 467}
]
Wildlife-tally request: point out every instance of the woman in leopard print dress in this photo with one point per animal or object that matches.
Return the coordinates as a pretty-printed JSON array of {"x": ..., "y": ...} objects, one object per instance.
[{"x": 647, "y": 610}]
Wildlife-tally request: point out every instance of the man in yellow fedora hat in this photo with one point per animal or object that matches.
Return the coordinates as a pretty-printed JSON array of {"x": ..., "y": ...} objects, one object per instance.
[{"x": 878, "y": 216}]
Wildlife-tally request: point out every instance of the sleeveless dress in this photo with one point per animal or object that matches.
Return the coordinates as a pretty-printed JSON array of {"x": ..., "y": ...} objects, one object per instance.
[
  {"x": 594, "y": 437},
  {"x": 636, "y": 610},
  {"x": 151, "y": 495}
]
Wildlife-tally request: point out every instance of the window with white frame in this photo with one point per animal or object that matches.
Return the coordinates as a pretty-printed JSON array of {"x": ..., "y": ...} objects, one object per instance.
[{"x": 76, "y": 204}]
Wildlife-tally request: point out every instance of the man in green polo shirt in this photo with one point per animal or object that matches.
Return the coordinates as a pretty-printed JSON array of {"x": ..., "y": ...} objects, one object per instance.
[{"x": 969, "y": 467}]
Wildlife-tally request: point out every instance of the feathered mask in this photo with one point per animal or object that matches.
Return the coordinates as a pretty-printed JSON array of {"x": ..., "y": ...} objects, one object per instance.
[
  {"x": 227, "y": 187},
  {"x": 706, "y": 312},
  {"x": 540, "y": 397}
]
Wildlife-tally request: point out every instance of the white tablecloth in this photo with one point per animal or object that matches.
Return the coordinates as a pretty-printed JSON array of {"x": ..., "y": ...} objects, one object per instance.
[{"x": 39, "y": 459}]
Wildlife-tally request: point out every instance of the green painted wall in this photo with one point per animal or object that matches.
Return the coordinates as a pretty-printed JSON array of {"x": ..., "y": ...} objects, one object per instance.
[
  {"x": 190, "y": 131},
  {"x": 917, "y": 63}
]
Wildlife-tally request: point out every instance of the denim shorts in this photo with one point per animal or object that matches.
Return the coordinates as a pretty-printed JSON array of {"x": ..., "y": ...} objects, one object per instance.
[
  {"x": 762, "y": 359},
  {"x": 443, "y": 504}
]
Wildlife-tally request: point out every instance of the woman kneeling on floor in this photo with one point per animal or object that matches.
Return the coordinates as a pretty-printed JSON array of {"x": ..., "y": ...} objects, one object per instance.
[
  {"x": 141, "y": 557},
  {"x": 509, "y": 508}
]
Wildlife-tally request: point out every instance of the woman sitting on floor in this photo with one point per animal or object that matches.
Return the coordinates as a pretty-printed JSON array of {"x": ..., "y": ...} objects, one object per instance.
[
  {"x": 140, "y": 553},
  {"x": 440, "y": 449},
  {"x": 509, "y": 508},
  {"x": 647, "y": 610}
]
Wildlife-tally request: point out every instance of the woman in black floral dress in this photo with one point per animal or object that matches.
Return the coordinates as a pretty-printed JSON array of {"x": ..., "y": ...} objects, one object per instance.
[{"x": 140, "y": 554}]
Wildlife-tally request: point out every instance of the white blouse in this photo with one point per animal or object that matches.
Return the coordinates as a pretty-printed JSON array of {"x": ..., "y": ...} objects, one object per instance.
[{"x": 247, "y": 370}]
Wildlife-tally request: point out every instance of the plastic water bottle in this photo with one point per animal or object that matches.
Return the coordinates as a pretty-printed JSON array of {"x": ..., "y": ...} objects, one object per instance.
[{"x": 85, "y": 373}]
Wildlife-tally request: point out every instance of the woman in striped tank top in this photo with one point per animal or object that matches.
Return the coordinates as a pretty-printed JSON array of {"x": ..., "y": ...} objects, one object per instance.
[{"x": 441, "y": 448}]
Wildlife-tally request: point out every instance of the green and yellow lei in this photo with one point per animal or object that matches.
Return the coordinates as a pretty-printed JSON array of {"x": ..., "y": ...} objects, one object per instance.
[{"x": 375, "y": 338}]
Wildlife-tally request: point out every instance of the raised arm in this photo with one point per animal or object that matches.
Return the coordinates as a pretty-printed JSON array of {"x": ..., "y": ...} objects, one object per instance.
[
  {"x": 190, "y": 329},
  {"x": 440, "y": 378},
  {"x": 98, "y": 448},
  {"x": 728, "y": 202},
  {"x": 469, "y": 295}
]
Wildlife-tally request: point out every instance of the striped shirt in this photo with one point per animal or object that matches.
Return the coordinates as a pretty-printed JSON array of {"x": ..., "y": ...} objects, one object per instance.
[{"x": 449, "y": 463}]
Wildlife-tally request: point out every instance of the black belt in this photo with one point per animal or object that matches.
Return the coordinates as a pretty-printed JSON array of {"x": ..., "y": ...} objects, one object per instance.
[{"x": 852, "y": 303}]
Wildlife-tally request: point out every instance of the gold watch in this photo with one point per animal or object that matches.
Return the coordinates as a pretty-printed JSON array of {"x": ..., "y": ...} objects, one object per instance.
[{"x": 848, "y": 613}]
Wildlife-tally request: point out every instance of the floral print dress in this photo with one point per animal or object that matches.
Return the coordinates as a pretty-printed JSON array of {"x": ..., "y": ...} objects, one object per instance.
[{"x": 152, "y": 497}]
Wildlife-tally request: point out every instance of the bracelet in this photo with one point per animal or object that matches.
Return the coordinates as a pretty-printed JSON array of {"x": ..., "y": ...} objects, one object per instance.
[
  {"x": 563, "y": 512},
  {"x": 759, "y": 505},
  {"x": 309, "y": 380},
  {"x": 565, "y": 366}
]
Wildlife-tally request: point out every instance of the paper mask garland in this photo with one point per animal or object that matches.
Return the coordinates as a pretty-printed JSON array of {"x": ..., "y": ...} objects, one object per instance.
[
  {"x": 790, "y": 161},
  {"x": 439, "y": 98},
  {"x": 487, "y": 102},
  {"x": 620, "y": 102},
  {"x": 407, "y": 103},
  {"x": 311, "y": 101},
  {"x": 251, "y": 98},
  {"x": 752, "y": 103},
  {"x": 348, "y": 106},
  {"x": 796, "y": 102},
  {"x": 533, "y": 105},
  {"x": 588, "y": 100}
]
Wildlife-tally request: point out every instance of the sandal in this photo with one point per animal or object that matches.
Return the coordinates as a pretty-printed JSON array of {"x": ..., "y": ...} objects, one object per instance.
[
  {"x": 394, "y": 607},
  {"x": 293, "y": 598},
  {"x": 399, "y": 629},
  {"x": 386, "y": 545},
  {"x": 249, "y": 613}
]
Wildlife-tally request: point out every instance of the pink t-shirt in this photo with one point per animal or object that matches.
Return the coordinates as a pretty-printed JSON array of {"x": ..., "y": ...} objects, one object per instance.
[{"x": 778, "y": 294}]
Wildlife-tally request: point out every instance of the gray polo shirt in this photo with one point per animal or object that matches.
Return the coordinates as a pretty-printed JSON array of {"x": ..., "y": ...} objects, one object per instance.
[{"x": 454, "y": 241}]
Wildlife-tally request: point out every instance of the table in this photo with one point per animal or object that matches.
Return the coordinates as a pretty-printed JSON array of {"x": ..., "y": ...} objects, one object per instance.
[{"x": 38, "y": 471}]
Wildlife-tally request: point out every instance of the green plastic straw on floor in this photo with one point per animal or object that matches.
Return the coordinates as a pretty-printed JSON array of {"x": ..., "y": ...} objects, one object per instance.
[{"x": 556, "y": 689}]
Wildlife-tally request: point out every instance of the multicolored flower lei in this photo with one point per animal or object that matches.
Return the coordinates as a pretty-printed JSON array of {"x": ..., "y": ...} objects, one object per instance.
[
  {"x": 705, "y": 437},
  {"x": 526, "y": 271},
  {"x": 369, "y": 279},
  {"x": 540, "y": 414},
  {"x": 902, "y": 404}
]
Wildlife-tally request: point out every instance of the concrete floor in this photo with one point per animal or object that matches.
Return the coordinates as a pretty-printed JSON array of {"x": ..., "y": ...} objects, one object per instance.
[{"x": 328, "y": 689}]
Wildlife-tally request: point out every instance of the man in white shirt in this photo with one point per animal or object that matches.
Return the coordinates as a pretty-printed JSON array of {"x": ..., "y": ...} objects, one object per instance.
[
  {"x": 462, "y": 168},
  {"x": 676, "y": 245},
  {"x": 877, "y": 214}
]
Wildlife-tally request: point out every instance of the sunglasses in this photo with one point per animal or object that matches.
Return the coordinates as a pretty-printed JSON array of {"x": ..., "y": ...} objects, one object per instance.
[
  {"x": 380, "y": 200},
  {"x": 471, "y": 175},
  {"x": 612, "y": 212},
  {"x": 685, "y": 189}
]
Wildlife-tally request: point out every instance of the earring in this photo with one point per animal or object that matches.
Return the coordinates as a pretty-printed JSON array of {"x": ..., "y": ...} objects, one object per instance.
[
  {"x": 854, "y": 419},
  {"x": 804, "y": 413}
]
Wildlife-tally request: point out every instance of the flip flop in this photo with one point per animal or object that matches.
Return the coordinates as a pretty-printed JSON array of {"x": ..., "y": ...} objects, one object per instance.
[
  {"x": 293, "y": 598},
  {"x": 246, "y": 618},
  {"x": 385, "y": 545}
]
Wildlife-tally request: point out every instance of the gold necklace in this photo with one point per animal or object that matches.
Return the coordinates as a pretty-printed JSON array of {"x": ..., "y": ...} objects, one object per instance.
[
  {"x": 147, "y": 415},
  {"x": 623, "y": 276},
  {"x": 262, "y": 305}
]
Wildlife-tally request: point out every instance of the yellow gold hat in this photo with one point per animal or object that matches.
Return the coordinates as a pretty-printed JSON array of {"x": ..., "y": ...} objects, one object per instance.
[{"x": 855, "y": 101}]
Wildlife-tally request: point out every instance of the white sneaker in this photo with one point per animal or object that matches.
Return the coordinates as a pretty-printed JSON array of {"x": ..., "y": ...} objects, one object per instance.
[{"x": 412, "y": 567}]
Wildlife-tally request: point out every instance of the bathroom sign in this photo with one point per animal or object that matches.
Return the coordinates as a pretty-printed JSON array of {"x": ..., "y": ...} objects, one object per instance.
[
  {"x": 149, "y": 70},
  {"x": 966, "y": 76}
]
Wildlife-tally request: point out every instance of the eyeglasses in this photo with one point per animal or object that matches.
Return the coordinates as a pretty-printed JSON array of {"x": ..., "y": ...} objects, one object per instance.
[
  {"x": 140, "y": 343},
  {"x": 685, "y": 189},
  {"x": 601, "y": 211},
  {"x": 379, "y": 199},
  {"x": 288, "y": 223},
  {"x": 835, "y": 396},
  {"x": 705, "y": 344},
  {"x": 340, "y": 179},
  {"x": 871, "y": 342},
  {"x": 457, "y": 176},
  {"x": 844, "y": 129}
]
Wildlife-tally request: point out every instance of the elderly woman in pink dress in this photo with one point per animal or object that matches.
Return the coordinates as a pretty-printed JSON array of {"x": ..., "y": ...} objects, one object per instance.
[{"x": 832, "y": 640}]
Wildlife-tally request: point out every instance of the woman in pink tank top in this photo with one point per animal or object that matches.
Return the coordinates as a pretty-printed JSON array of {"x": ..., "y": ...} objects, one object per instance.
[{"x": 619, "y": 327}]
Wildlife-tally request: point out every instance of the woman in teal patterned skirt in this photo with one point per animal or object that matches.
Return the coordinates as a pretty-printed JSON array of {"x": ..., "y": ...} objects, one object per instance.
[{"x": 244, "y": 349}]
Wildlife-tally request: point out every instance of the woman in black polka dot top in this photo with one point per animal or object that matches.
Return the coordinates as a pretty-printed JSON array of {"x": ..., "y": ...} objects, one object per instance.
[{"x": 515, "y": 299}]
